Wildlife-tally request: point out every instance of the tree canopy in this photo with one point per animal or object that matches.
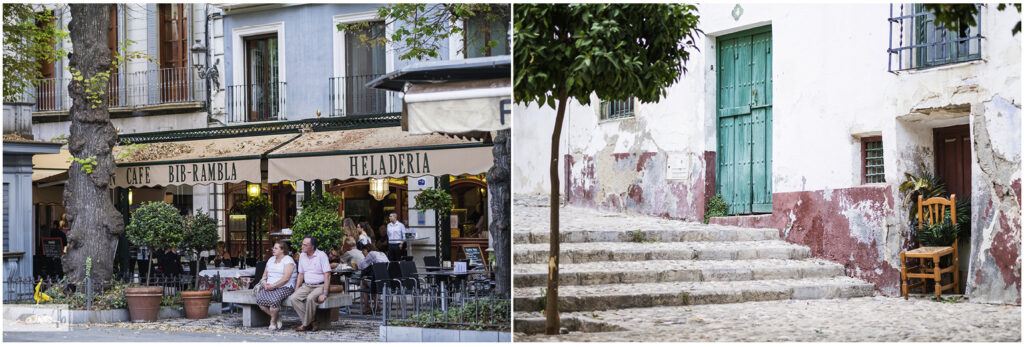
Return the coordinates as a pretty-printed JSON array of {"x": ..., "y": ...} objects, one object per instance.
[
  {"x": 616, "y": 50},
  {"x": 424, "y": 28},
  {"x": 30, "y": 36}
]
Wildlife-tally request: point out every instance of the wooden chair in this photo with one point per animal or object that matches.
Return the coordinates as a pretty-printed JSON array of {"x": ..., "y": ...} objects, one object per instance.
[{"x": 927, "y": 268}]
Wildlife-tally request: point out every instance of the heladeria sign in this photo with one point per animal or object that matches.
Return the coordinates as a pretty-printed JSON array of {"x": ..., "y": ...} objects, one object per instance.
[
  {"x": 188, "y": 173},
  {"x": 449, "y": 161}
]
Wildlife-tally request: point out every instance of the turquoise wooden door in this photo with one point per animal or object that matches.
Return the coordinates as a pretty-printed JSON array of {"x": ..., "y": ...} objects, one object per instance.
[{"x": 745, "y": 121}]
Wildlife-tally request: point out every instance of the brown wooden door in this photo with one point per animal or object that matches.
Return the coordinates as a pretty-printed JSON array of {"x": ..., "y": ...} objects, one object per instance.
[
  {"x": 174, "y": 51},
  {"x": 953, "y": 158}
]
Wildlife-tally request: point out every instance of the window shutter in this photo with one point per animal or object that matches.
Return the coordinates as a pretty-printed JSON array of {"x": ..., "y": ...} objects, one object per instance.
[{"x": 153, "y": 50}]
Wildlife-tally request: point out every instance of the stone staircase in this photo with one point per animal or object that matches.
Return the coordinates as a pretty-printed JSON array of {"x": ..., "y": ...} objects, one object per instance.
[{"x": 615, "y": 261}]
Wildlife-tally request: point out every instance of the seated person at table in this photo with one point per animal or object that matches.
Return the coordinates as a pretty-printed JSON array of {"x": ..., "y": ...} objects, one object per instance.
[
  {"x": 370, "y": 256},
  {"x": 223, "y": 258},
  {"x": 311, "y": 285},
  {"x": 334, "y": 257},
  {"x": 278, "y": 283},
  {"x": 352, "y": 256}
]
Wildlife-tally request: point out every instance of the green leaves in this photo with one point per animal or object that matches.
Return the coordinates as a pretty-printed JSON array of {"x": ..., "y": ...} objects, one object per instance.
[
  {"x": 27, "y": 45},
  {"x": 319, "y": 218},
  {"x": 716, "y": 207},
  {"x": 199, "y": 232},
  {"x": 155, "y": 225},
  {"x": 434, "y": 199},
  {"x": 614, "y": 50}
]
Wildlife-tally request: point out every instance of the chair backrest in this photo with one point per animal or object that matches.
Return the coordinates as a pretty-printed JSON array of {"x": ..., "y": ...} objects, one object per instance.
[
  {"x": 431, "y": 261},
  {"x": 395, "y": 269},
  {"x": 260, "y": 267},
  {"x": 380, "y": 273},
  {"x": 934, "y": 210},
  {"x": 409, "y": 273}
]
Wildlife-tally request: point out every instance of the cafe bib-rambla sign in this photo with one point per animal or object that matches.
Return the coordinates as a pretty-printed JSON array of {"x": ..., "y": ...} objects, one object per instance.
[
  {"x": 163, "y": 174},
  {"x": 390, "y": 164}
]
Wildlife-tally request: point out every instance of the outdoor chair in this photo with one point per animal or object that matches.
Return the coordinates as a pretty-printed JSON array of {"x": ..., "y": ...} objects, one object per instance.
[
  {"x": 927, "y": 267},
  {"x": 410, "y": 277},
  {"x": 260, "y": 267}
]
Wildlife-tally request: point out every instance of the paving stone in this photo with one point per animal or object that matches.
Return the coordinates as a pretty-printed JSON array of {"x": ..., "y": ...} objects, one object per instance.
[
  {"x": 535, "y": 275},
  {"x": 622, "y": 251}
]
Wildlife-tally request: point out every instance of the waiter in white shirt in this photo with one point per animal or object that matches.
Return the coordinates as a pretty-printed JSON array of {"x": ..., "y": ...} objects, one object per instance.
[{"x": 396, "y": 237}]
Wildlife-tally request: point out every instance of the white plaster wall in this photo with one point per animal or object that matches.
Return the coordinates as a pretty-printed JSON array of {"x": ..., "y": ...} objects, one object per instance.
[
  {"x": 830, "y": 82},
  {"x": 130, "y": 125},
  {"x": 531, "y": 149}
]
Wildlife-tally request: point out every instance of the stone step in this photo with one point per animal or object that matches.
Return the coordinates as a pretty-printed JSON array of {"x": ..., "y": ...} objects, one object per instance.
[
  {"x": 654, "y": 271},
  {"x": 686, "y": 233},
  {"x": 622, "y": 296},
  {"x": 573, "y": 253}
]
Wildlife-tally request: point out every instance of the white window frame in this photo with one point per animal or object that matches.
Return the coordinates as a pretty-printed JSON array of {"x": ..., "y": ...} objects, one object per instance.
[
  {"x": 339, "y": 44},
  {"x": 455, "y": 43}
]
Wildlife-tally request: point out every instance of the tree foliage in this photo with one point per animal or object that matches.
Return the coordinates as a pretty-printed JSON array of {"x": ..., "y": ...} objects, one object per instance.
[
  {"x": 424, "y": 29},
  {"x": 155, "y": 225},
  {"x": 952, "y": 16},
  {"x": 319, "y": 218},
  {"x": 30, "y": 36},
  {"x": 434, "y": 199},
  {"x": 615, "y": 50},
  {"x": 199, "y": 234}
]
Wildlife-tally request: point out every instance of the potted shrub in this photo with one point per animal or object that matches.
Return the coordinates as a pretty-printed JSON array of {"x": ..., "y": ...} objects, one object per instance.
[
  {"x": 154, "y": 225},
  {"x": 319, "y": 218},
  {"x": 199, "y": 234},
  {"x": 434, "y": 199}
]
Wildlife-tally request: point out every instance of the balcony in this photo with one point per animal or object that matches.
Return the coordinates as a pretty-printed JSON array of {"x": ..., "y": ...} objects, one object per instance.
[
  {"x": 127, "y": 90},
  {"x": 256, "y": 102},
  {"x": 349, "y": 96},
  {"x": 916, "y": 41}
]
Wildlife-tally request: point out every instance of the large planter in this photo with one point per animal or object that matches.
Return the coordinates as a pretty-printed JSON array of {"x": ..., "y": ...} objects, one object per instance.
[
  {"x": 197, "y": 303},
  {"x": 143, "y": 302}
]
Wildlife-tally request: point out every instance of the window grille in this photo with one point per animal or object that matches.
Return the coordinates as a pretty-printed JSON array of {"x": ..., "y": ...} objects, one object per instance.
[
  {"x": 873, "y": 163},
  {"x": 917, "y": 42},
  {"x": 617, "y": 109}
]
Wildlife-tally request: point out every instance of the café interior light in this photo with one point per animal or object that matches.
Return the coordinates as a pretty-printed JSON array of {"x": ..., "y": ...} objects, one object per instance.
[
  {"x": 253, "y": 189},
  {"x": 129, "y": 196},
  {"x": 379, "y": 188}
]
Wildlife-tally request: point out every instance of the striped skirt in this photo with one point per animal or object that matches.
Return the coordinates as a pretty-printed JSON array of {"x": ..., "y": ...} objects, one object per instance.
[{"x": 273, "y": 298}]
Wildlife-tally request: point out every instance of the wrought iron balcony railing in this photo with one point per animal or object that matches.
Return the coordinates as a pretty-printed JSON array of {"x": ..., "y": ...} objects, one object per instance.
[
  {"x": 256, "y": 102},
  {"x": 350, "y": 97},
  {"x": 131, "y": 89},
  {"x": 916, "y": 41}
]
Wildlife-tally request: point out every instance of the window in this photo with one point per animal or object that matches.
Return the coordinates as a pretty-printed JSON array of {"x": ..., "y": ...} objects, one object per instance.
[
  {"x": 174, "y": 53},
  {"x": 261, "y": 80},
  {"x": 616, "y": 109},
  {"x": 479, "y": 32},
  {"x": 872, "y": 163},
  {"x": 922, "y": 43},
  {"x": 364, "y": 62}
]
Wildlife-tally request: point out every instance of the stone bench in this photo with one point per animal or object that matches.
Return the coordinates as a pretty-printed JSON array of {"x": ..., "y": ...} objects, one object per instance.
[{"x": 252, "y": 315}]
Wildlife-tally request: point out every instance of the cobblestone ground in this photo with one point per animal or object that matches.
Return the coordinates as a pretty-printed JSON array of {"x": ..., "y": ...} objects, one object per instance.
[
  {"x": 878, "y": 319},
  {"x": 231, "y": 324}
]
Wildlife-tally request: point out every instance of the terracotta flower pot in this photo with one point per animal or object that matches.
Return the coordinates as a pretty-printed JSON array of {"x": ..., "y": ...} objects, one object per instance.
[
  {"x": 143, "y": 303},
  {"x": 197, "y": 303}
]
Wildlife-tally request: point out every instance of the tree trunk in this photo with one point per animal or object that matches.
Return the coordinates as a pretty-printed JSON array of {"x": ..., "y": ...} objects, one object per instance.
[
  {"x": 94, "y": 222},
  {"x": 551, "y": 310},
  {"x": 499, "y": 188}
]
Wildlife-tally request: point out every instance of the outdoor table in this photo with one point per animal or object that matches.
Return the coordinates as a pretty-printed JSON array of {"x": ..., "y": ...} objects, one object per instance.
[{"x": 451, "y": 273}]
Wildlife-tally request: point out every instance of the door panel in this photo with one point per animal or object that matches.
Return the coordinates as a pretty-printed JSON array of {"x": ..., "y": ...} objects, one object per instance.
[
  {"x": 745, "y": 121},
  {"x": 953, "y": 158}
]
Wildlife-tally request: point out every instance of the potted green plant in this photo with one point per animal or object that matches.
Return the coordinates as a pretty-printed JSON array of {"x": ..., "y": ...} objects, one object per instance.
[
  {"x": 938, "y": 234},
  {"x": 199, "y": 234},
  {"x": 434, "y": 199},
  {"x": 154, "y": 225},
  {"x": 319, "y": 218}
]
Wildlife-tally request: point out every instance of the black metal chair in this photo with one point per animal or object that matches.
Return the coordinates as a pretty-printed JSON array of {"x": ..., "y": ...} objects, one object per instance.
[{"x": 260, "y": 267}]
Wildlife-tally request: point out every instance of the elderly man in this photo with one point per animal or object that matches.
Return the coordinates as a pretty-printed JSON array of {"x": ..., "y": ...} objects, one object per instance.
[
  {"x": 311, "y": 285},
  {"x": 350, "y": 254}
]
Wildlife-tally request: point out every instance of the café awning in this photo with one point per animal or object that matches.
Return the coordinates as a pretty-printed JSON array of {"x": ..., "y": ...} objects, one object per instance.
[
  {"x": 218, "y": 160},
  {"x": 375, "y": 153},
  {"x": 459, "y": 107},
  {"x": 51, "y": 167}
]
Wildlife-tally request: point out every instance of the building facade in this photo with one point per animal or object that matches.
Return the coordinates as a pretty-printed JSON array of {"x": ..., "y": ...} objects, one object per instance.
[{"x": 803, "y": 120}]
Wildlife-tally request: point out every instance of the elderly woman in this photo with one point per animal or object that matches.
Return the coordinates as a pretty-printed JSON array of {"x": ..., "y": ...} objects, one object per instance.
[{"x": 278, "y": 283}]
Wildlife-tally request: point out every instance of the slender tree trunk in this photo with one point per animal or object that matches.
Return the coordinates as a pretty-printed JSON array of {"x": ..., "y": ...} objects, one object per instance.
[
  {"x": 551, "y": 310},
  {"x": 499, "y": 187},
  {"x": 95, "y": 223}
]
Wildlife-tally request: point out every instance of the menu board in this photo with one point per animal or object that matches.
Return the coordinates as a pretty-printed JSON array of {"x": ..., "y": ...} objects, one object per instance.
[
  {"x": 53, "y": 247},
  {"x": 474, "y": 254}
]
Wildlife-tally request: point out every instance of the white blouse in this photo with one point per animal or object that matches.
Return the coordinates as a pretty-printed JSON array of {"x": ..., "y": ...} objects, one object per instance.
[{"x": 276, "y": 270}]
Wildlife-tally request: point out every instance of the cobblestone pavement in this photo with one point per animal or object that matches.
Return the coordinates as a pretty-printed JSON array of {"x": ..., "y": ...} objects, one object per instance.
[
  {"x": 858, "y": 319},
  {"x": 230, "y": 324}
]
